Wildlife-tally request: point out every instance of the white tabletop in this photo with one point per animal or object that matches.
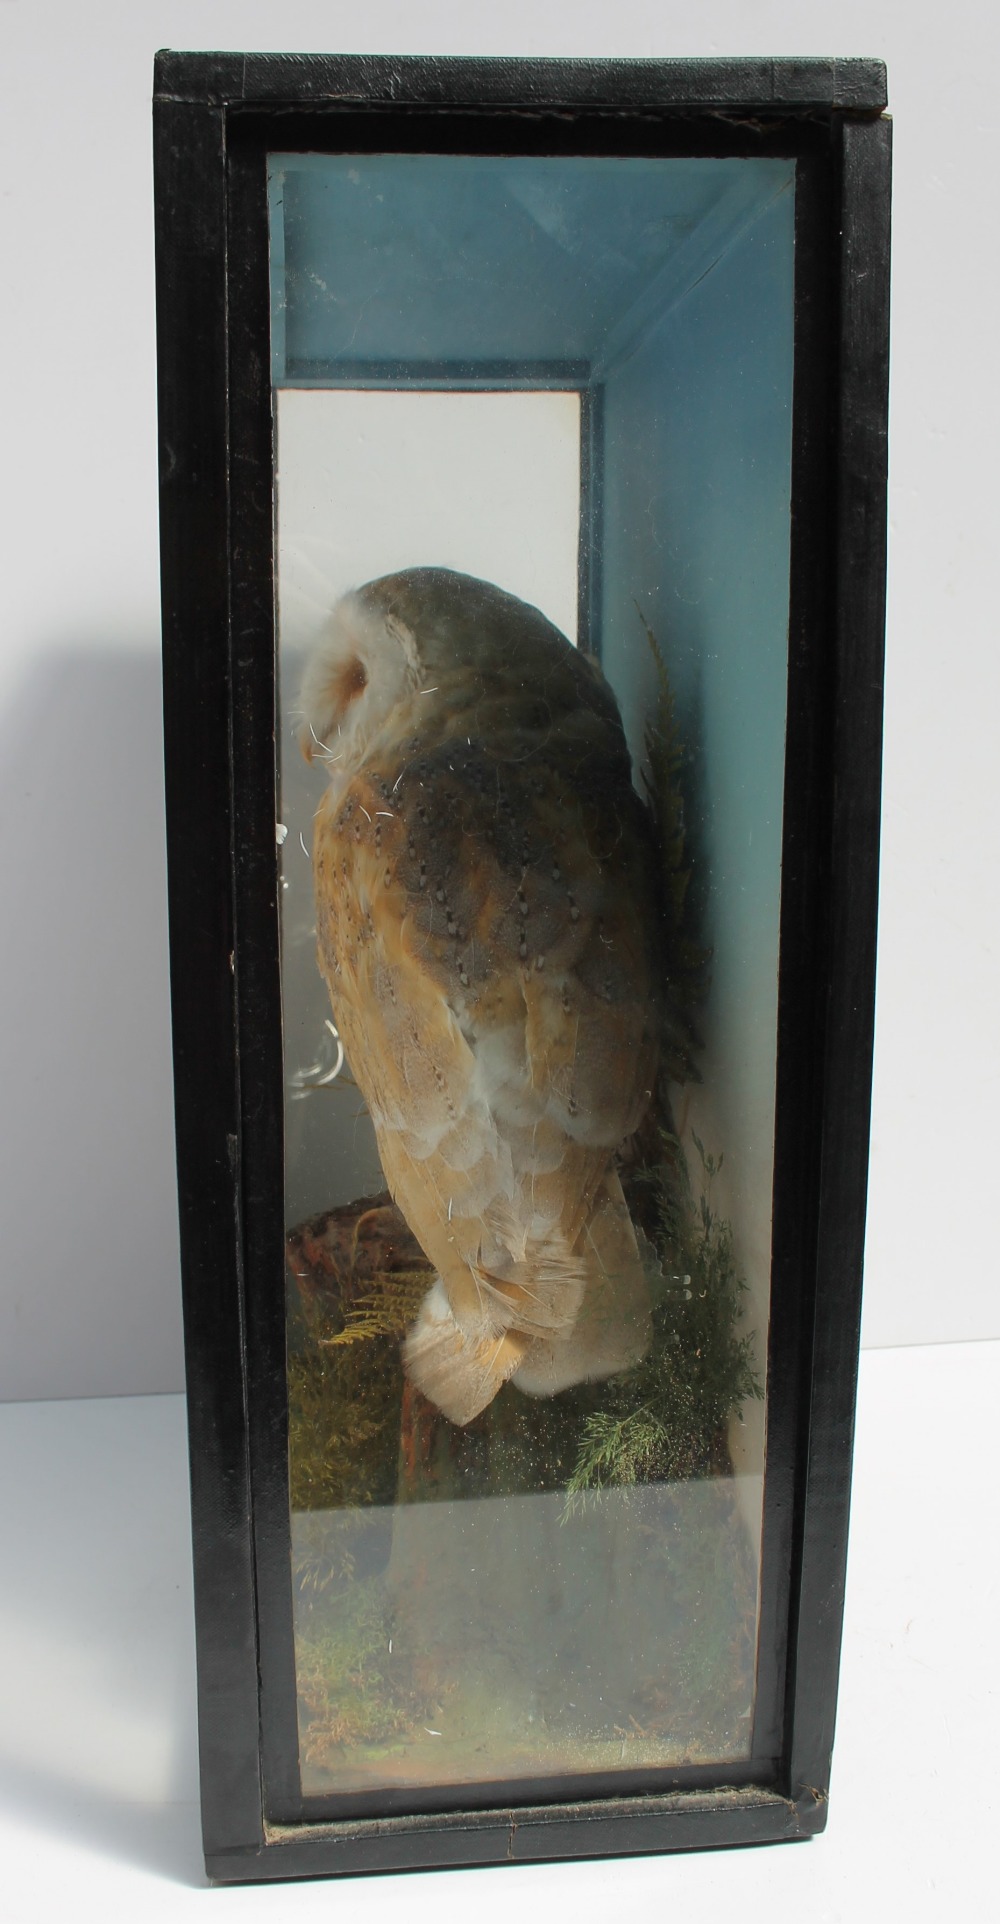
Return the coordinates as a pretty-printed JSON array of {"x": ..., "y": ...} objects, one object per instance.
[{"x": 98, "y": 1764}]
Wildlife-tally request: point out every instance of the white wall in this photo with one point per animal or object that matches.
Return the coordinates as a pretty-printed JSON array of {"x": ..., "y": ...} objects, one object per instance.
[{"x": 89, "y": 1299}]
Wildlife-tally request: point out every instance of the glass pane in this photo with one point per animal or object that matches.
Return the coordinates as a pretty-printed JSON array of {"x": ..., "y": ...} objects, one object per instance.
[{"x": 530, "y": 921}]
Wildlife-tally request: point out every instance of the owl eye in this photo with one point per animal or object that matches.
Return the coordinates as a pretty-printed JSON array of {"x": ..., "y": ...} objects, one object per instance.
[{"x": 351, "y": 681}]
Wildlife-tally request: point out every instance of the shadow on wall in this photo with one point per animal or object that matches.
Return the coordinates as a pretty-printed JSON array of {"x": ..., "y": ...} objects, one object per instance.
[
  {"x": 98, "y": 1745},
  {"x": 91, "y": 1299}
]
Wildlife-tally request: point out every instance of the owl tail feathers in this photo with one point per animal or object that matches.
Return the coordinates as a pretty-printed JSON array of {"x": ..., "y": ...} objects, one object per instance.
[
  {"x": 458, "y": 1371},
  {"x": 613, "y": 1328}
]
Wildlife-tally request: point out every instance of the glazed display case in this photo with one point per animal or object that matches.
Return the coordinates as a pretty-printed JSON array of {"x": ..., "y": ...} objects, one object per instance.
[{"x": 523, "y": 524}]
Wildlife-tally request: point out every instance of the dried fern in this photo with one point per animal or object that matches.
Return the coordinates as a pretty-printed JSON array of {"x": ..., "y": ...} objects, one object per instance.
[{"x": 386, "y": 1309}]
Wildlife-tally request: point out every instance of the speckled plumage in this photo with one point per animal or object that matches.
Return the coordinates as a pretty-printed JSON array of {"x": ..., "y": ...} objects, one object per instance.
[{"x": 485, "y": 924}]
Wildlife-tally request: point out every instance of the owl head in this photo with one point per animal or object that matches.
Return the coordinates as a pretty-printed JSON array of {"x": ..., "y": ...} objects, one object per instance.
[
  {"x": 434, "y": 632},
  {"x": 365, "y": 667}
]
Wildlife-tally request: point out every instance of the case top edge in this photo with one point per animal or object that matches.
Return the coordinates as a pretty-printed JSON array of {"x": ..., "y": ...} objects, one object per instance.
[{"x": 379, "y": 80}]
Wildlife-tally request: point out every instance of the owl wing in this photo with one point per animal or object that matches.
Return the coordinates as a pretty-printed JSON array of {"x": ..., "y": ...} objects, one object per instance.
[
  {"x": 484, "y": 930},
  {"x": 380, "y": 937}
]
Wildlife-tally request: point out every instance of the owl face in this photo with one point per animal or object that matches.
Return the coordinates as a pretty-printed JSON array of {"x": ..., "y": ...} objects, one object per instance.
[
  {"x": 429, "y": 632},
  {"x": 365, "y": 669}
]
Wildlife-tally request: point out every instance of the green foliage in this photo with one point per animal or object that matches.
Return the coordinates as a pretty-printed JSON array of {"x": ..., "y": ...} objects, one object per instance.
[{"x": 667, "y": 1418}]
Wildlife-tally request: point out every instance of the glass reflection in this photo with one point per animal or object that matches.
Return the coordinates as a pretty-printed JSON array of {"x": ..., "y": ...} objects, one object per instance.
[{"x": 529, "y": 967}]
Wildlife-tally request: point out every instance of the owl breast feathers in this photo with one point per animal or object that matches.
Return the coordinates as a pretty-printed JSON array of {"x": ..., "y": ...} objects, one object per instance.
[{"x": 486, "y": 926}]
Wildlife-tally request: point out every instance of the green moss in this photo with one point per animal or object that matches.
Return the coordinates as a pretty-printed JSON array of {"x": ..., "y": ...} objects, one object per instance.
[
  {"x": 343, "y": 1415},
  {"x": 352, "y": 1690}
]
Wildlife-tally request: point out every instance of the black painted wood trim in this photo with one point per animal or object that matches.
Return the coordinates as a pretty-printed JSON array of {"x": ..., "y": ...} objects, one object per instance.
[
  {"x": 194, "y": 543},
  {"x": 802, "y": 952},
  {"x": 861, "y": 522},
  {"x": 256, "y": 770},
  {"x": 218, "y": 691},
  {"x": 695, "y": 1820},
  {"x": 436, "y": 81}
]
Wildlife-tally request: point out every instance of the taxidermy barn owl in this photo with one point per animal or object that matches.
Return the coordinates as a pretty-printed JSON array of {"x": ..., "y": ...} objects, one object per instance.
[{"x": 483, "y": 874}]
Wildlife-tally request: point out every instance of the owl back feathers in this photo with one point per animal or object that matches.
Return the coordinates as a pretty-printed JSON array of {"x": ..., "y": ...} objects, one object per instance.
[{"x": 486, "y": 922}]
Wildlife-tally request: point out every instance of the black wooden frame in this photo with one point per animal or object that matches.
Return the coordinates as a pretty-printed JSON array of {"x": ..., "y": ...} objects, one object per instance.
[{"x": 216, "y": 116}]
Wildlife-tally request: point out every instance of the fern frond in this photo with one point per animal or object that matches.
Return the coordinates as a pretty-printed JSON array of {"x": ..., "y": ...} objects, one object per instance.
[{"x": 386, "y": 1309}]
